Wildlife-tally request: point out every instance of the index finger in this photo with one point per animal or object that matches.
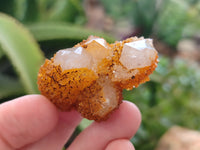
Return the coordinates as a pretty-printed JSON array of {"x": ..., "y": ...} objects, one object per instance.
[{"x": 122, "y": 124}]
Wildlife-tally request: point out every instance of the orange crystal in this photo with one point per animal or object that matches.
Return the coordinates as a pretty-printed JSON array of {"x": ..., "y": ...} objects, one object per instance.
[{"x": 90, "y": 76}]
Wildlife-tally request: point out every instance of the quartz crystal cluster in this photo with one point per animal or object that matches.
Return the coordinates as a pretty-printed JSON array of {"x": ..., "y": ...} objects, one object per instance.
[{"x": 90, "y": 76}]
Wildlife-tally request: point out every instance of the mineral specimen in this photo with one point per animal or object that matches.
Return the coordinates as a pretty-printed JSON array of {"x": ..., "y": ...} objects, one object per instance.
[{"x": 90, "y": 76}]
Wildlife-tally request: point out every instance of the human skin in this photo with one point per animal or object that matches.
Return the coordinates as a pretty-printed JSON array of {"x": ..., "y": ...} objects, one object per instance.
[{"x": 32, "y": 122}]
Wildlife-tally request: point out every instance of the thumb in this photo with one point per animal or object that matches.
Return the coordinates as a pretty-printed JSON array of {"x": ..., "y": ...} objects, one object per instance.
[{"x": 25, "y": 120}]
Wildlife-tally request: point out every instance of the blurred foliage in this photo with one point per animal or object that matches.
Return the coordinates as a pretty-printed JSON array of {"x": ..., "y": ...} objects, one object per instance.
[
  {"x": 169, "y": 20},
  {"x": 28, "y": 11},
  {"x": 170, "y": 98},
  {"x": 22, "y": 50},
  {"x": 170, "y": 28},
  {"x": 54, "y": 36}
]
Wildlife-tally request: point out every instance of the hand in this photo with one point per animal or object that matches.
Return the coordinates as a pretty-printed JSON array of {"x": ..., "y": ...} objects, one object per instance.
[{"x": 33, "y": 123}]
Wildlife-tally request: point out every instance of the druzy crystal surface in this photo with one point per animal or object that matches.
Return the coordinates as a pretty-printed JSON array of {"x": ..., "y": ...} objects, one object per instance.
[{"x": 90, "y": 76}]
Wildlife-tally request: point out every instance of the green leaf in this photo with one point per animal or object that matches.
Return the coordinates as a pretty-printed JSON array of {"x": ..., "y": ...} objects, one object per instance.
[
  {"x": 20, "y": 9},
  {"x": 84, "y": 124},
  {"x": 63, "y": 11},
  {"x": 1, "y": 53},
  {"x": 9, "y": 87},
  {"x": 32, "y": 11},
  {"x": 22, "y": 50},
  {"x": 63, "y": 31}
]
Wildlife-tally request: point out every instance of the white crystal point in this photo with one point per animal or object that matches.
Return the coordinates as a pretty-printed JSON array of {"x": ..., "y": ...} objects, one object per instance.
[
  {"x": 97, "y": 48},
  {"x": 98, "y": 40},
  {"x": 71, "y": 58},
  {"x": 138, "y": 54}
]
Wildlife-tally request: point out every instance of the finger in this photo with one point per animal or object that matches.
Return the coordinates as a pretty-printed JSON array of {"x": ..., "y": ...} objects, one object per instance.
[
  {"x": 25, "y": 120},
  {"x": 120, "y": 144},
  {"x": 59, "y": 136},
  {"x": 123, "y": 123},
  {"x": 4, "y": 145}
]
